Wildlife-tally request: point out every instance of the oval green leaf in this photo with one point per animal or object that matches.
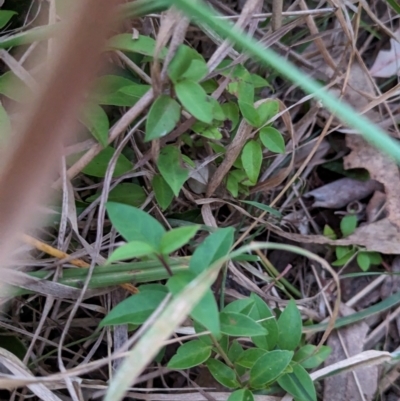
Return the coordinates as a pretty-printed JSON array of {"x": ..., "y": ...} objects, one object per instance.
[
  {"x": 142, "y": 45},
  {"x": 176, "y": 238},
  {"x": 272, "y": 139},
  {"x": 5, "y": 16},
  {"x": 252, "y": 159},
  {"x": 249, "y": 357},
  {"x": 162, "y": 118},
  {"x": 135, "y": 224},
  {"x": 214, "y": 247},
  {"x": 289, "y": 324},
  {"x": 206, "y": 311},
  {"x": 195, "y": 100},
  {"x": 169, "y": 163},
  {"x": 222, "y": 373},
  {"x": 133, "y": 249},
  {"x": 310, "y": 360},
  {"x": 190, "y": 354},
  {"x": 126, "y": 192},
  {"x": 348, "y": 224},
  {"x": 162, "y": 191},
  {"x": 241, "y": 395},
  {"x": 298, "y": 384},
  {"x": 135, "y": 309},
  {"x": 269, "y": 367},
  {"x": 96, "y": 121},
  {"x": 98, "y": 166},
  {"x": 238, "y": 325}
]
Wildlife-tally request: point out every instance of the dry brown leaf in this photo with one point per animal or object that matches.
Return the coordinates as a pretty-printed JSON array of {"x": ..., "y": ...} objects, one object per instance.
[
  {"x": 387, "y": 62},
  {"x": 340, "y": 193},
  {"x": 345, "y": 343},
  {"x": 381, "y": 236},
  {"x": 381, "y": 168}
]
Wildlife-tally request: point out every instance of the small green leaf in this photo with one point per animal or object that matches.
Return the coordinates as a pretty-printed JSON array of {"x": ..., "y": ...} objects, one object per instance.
[
  {"x": 363, "y": 261},
  {"x": 252, "y": 159},
  {"x": 135, "y": 224},
  {"x": 133, "y": 249},
  {"x": 329, "y": 233},
  {"x": 241, "y": 395},
  {"x": 187, "y": 64},
  {"x": 98, "y": 166},
  {"x": 341, "y": 251},
  {"x": 272, "y": 139},
  {"x": 289, "y": 324},
  {"x": 214, "y": 247},
  {"x": 298, "y": 384},
  {"x": 344, "y": 259},
  {"x": 239, "y": 306},
  {"x": 5, "y": 16},
  {"x": 249, "y": 113},
  {"x": 134, "y": 310},
  {"x": 235, "y": 350},
  {"x": 231, "y": 112},
  {"x": 267, "y": 320},
  {"x": 96, "y": 121},
  {"x": 126, "y": 193},
  {"x": 238, "y": 325},
  {"x": 162, "y": 118},
  {"x": 142, "y": 45},
  {"x": 260, "y": 82},
  {"x": 169, "y": 163},
  {"x": 269, "y": 367},
  {"x": 13, "y": 87},
  {"x": 206, "y": 311},
  {"x": 375, "y": 258},
  {"x": 222, "y": 374},
  {"x": 348, "y": 224},
  {"x": 162, "y": 191},
  {"x": 266, "y": 208},
  {"x": 306, "y": 357},
  {"x": 195, "y": 100},
  {"x": 249, "y": 357},
  {"x": 190, "y": 354},
  {"x": 176, "y": 238},
  {"x": 108, "y": 90},
  {"x": 232, "y": 185},
  {"x": 197, "y": 70},
  {"x": 218, "y": 113},
  {"x": 267, "y": 110}
]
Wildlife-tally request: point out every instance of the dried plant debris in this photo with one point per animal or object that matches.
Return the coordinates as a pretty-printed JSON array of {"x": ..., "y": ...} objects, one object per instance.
[
  {"x": 359, "y": 384},
  {"x": 381, "y": 168},
  {"x": 387, "y": 63},
  {"x": 381, "y": 236},
  {"x": 340, "y": 193}
]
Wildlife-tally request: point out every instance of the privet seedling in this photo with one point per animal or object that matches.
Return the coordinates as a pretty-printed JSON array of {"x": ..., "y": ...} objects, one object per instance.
[
  {"x": 247, "y": 347},
  {"x": 344, "y": 254}
]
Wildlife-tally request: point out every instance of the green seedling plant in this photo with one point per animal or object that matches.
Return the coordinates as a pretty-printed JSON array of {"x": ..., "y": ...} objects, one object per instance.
[
  {"x": 344, "y": 254},
  {"x": 246, "y": 346}
]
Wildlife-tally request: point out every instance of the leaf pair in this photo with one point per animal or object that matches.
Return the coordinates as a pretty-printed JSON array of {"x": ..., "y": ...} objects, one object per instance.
[{"x": 145, "y": 234}]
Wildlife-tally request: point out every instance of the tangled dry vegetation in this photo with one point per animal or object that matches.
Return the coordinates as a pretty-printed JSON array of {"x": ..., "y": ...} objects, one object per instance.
[{"x": 316, "y": 184}]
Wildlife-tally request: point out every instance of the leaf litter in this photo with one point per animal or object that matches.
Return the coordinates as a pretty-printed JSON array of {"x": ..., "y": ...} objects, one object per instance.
[{"x": 379, "y": 227}]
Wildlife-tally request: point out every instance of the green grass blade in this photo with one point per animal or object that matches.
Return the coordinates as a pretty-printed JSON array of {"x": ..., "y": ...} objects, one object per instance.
[
  {"x": 371, "y": 132},
  {"x": 382, "y": 306}
]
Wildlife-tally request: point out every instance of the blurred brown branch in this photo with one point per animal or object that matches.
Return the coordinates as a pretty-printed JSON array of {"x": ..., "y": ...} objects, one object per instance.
[{"x": 50, "y": 118}]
